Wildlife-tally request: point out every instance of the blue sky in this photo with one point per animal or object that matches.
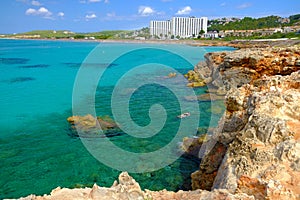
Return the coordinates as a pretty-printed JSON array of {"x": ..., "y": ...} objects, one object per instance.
[{"x": 97, "y": 15}]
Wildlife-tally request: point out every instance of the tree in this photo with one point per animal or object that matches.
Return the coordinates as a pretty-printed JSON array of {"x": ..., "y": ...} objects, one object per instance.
[
  {"x": 79, "y": 36},
  {"x": 201, "y": 32}
]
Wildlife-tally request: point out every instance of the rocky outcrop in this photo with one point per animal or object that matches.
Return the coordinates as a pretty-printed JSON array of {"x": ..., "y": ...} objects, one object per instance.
[
  {"x": 194, "y": 79},
  {"x": 235, "y": 69},
  {"x": 128, "y": 189},
  {"x": 89, "y": 125},
  {"x": 256, "y": 144},
  {"x": 191, "y": 146}
]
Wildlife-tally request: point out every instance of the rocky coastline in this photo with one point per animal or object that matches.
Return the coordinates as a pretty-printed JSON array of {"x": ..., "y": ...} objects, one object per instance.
[
  {"x": 254, "y": 153},
  {"x": 255, "y": 148}
]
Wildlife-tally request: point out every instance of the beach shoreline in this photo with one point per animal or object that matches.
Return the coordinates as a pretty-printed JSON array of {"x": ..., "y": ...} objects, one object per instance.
[{"x": 281, "y": 42}]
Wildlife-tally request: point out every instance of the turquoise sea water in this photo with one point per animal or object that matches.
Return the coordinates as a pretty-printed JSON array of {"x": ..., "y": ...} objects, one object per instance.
[{"x": 37, "y": 150}]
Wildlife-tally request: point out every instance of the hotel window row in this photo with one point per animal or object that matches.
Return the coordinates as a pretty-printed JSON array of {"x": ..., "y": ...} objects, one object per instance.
[{"x": 183, "y": 27}]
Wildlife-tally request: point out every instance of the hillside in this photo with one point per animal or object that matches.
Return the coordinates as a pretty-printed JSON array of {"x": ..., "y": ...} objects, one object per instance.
[
  {"x": 248, "y": 23},
  {"x": 66, "y": 34}
]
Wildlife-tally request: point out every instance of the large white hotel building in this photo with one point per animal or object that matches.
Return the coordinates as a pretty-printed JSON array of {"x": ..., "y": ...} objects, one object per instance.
[{"x": 183, "y": 27}]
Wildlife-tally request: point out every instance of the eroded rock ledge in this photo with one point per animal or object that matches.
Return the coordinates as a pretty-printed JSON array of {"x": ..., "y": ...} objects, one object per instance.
[
  {"x": 128, "y": 189},
  {"x": 254, "y": 153},
  {"x": 255, "y": 149}
]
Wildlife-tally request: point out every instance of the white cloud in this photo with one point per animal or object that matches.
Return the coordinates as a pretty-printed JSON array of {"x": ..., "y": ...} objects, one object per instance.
[
  {"x": 93, "y": 1},
  {"x": 31, "y": 11},
  {"x": 36, "y": 3},
  {"x": 244, "y": 5},
  {"x": 184, "y": 11},
  {"x": 113, "y": 14},
  {"x": 145, "y": 11},
  {"x": 42, "y": 11},
  {"x": 166, "y": 0},
  {"x": 23, "y": 1},
  {"x": 90, "y": 16},
  {"x": 60, "y": 14},
  {"x": 223, "y": 4}
]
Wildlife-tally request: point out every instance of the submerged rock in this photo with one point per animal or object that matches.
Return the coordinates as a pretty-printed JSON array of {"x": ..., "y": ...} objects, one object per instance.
[
  {"x": 172, "y": 75},
  {"x": 191, "y": 146},
  {"x": 194, "y": 79},
  {"x": 21, "y": 79},
  {"x": 92, "y": 125}
]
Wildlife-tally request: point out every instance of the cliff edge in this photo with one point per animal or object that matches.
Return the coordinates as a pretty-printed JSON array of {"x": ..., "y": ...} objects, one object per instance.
[{"x": 255, "y": 149}]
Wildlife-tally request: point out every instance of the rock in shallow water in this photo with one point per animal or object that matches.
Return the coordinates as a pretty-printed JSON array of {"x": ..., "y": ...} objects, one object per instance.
[{"x": 89, "y": 125}]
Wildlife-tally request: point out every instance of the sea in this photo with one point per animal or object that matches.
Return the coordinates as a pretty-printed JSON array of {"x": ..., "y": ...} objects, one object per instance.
[{"x": 44, "y": 82}]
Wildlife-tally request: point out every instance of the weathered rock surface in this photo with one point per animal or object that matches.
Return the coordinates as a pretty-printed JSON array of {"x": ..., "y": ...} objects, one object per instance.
[
  {"x": 260, "y": 130},
  {"x": 129, "y": 189},
  {"x": 191, "y": 146},
  {"x": 234, "y": 69},
  {"x": 87, "y": 125},
  {"x": 195, "y": 80}
]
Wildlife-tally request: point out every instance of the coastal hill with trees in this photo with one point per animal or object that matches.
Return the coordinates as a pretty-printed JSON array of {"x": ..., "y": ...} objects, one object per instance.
[{"x": 248, "y": 23}]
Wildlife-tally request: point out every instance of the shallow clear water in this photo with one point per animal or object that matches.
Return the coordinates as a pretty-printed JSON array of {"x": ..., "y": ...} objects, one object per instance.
[{"x": 37, "y": 152}]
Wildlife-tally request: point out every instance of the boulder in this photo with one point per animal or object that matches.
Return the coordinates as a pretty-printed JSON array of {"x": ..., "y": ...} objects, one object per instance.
[{"x": 87, "y": 125}]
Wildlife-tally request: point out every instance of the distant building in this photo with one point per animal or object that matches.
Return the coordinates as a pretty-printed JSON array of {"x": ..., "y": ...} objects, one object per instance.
[
  {"x": 183, "y": 27},
  {"x": 160, "y": 28},
  {"x": 211, "y": 34},
  {"x": 140, "y": 38}
]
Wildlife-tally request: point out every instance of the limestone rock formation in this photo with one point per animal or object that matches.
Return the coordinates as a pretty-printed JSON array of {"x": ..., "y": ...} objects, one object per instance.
[
  {"x": 256, "y": 144},
  {"x": 87, "y": 125},
  {"x": 129, "y": 189},
  {"x": 234, "y": 69},
  {"x": 194, "y": 79}
]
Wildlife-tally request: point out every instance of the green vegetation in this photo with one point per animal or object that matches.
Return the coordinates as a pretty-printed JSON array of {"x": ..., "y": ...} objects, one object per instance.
[
  {"x": 249, "y": 23},
  {"x": 295, "y": 19},
  {"x": 107, "y": 34},
  {"x": 50, "y": 33},
  {"x": 273, "y": 36},
  {"x": 64, "y": 34}
]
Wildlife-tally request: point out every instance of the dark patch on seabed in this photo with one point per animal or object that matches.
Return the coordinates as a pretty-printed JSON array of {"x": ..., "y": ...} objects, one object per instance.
[
  {"x": 101, "y": 65},
  {"x": 182, "y": 71},
  {"x": 34, "y": 66},
  {"x": 188, "y": 165},
  {"x": 13, "y": 61},
  {"x": 21, "y": 79}
]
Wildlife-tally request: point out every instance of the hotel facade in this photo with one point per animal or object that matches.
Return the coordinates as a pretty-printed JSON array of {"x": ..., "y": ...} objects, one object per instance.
[{"x": 183, "y": 27}]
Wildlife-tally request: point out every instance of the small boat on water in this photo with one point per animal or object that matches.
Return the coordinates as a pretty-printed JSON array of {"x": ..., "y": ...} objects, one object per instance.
[{"x": 184, "y": 115}]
